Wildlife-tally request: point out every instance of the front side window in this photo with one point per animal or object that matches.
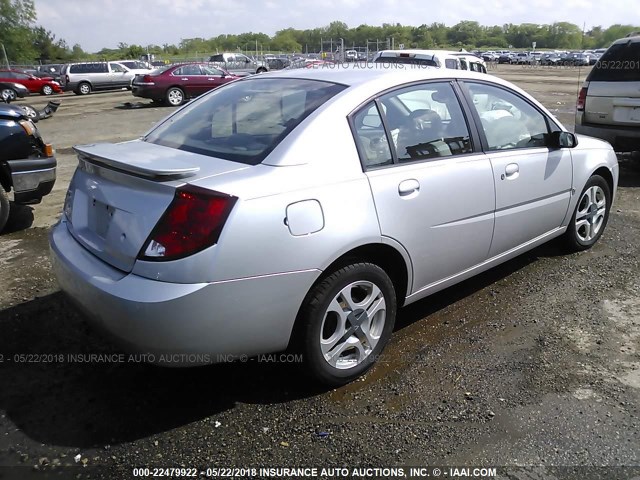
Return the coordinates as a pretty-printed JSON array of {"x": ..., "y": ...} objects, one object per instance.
[
  {"x": 243, "y": 121},
  {"x": 208, "y": 70},
  {"x": 508, "y": 120},
  {"x": 116, "y": 67},
  {"x": 426, "y": 122}
]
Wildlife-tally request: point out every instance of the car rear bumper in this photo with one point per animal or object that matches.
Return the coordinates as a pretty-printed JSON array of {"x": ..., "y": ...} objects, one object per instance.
[
  {"x": 623, "y": 139},
  {"x": 32, "y": 179},
  {"x": 146, "y": 92},
  {"x": 213, "y": 321}
]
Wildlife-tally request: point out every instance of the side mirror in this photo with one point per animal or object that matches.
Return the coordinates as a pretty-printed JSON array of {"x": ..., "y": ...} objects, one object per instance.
[{"x": 562, "y": 140}]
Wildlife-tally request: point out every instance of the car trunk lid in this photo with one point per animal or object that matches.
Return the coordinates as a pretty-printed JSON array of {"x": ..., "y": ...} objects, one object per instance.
[{"x": 120, "y": 191}]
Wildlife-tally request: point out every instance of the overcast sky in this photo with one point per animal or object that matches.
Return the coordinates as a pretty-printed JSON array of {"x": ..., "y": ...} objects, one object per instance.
[{"x": 96, "y": 24}]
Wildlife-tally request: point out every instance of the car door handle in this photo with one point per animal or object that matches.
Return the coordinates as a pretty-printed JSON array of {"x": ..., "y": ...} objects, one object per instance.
[
  {"x": 511, "y": 171},
  {"x": 409, "y": 188},
  {"x": 184, "y": 79}
]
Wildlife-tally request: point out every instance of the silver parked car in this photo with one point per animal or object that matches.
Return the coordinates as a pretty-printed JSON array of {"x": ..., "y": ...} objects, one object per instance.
[
  {"x": 86, "y": 77},
  {"x": 302, "y": 208},
  {"x": 238, "y": 64}
]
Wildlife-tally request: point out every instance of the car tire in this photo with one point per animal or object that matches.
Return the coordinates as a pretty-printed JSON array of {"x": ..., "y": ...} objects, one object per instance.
[
  {"x": 4, "y": 208},
  {"x": 175, "y": 97},
  {"x": 590, "y": 216},
  {"x": 46, "y": 90},
  {"x": 31, "y": 112},
  {"x": 8, "y": 95},
  {"x": 84, "y": 88},
  {"x": 326, "y": 317},
  {"x": 261, "y": 70}
]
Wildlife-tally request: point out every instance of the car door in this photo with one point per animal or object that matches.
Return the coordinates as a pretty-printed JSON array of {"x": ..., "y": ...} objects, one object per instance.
[
  {"x": 119, "y": 75},
  {"x": 191, "y": 79},
  {"x": 433, "y": 193},
  {"x": 213, "y": 77},
  {"x": 244, "y": 64},
  {"x": 533, "y": 182}
]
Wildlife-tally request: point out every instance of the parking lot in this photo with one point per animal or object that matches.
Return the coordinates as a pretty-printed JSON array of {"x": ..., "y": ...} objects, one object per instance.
[{"x": 534, "y": 363}]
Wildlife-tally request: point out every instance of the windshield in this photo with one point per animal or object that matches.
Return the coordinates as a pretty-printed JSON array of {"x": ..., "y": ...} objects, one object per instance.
[{"x": 245, "y": 120}]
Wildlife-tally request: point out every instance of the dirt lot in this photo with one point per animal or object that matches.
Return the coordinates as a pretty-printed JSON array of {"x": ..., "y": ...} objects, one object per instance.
[{"x": 535, "y": 363}]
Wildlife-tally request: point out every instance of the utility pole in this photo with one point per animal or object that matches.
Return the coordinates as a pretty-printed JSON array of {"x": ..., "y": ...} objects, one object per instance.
[{"x": 6, "y": 60}]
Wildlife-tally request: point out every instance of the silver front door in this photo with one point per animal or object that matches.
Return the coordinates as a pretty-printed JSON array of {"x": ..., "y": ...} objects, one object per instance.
[{"x": 533, "y": 182}]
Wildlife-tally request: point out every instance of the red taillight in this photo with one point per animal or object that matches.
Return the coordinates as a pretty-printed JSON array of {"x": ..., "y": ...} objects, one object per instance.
[
  {"x": 147, "y": 79},
  {"x": 192, "y": 223},
  {"x": 582, "y": 98}
]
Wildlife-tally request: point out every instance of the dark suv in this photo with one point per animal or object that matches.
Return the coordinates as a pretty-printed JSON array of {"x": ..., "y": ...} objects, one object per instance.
[
  {"x": 27, "y": 163},
  {"x": 609, "y": 101}
]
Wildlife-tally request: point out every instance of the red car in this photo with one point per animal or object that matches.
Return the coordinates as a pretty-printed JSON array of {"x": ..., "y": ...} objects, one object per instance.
[
  {"x": 44, "y": 86},
  {"x": 174, "y": 84}
]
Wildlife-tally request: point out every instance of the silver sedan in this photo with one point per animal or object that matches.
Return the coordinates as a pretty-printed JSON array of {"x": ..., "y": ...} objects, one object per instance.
[{"x": 301, "y": 209}]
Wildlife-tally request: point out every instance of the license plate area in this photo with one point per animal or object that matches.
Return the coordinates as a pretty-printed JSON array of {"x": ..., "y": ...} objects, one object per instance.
[
  {"x": 100, "y": 215},
  {"x": 634, "y": 114}
]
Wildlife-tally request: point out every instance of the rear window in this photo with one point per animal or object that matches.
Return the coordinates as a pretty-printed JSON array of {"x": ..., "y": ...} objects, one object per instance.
[
  {"x": 620, "y": 63},
  {"x": 408, "y": 61},
  {"x": 245, "y": 120}
]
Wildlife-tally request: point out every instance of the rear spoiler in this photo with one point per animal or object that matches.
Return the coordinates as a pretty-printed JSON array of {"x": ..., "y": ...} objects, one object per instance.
[{"x": 129, "y": 160}]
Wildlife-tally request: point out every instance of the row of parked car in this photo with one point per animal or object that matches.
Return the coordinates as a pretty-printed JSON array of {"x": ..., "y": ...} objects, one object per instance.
[{"x": 556, "y": 57}]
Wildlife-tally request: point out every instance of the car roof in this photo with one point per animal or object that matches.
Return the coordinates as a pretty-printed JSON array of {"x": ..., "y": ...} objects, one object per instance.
[{"x": 628, "y": 39}]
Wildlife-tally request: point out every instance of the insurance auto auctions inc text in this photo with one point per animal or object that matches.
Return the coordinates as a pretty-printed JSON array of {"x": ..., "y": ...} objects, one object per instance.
[{"x": 355, "y": 472}]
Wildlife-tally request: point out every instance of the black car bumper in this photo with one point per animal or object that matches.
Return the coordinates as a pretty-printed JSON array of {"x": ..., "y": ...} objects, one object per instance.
[{"x": 32, "y": 178}]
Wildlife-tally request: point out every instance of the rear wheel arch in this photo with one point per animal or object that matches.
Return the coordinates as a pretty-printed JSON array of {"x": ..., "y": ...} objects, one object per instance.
[{"x": 384, "y": 256}]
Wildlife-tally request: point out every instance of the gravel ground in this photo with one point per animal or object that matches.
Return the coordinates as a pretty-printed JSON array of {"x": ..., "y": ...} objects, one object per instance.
[{"x": 534, "y": 363}]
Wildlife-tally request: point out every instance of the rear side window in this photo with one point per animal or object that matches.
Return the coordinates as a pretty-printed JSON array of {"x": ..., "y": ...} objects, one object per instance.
[
  {"x": 88, "y": 68},
  {"x": 244, "y": 120},
  {"x": 620, "y": 63}
]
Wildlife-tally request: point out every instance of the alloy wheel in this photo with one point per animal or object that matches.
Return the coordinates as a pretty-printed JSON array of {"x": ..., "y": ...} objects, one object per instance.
[
  {"x": 353, "y": 324},
  {"x": 591, "y": 212}
]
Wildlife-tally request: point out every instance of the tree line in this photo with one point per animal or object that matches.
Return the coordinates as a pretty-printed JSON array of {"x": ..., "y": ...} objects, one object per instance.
[{"x": 26, "y": 42}]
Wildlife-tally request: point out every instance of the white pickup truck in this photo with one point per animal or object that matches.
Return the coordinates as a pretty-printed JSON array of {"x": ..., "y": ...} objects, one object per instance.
[{"x": 238, "y": 64}]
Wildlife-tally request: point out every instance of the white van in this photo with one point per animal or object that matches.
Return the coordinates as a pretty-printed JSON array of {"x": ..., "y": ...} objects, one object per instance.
[
  {"x": 428, "y": 58},
  {"x": 468, "y": 61}
]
